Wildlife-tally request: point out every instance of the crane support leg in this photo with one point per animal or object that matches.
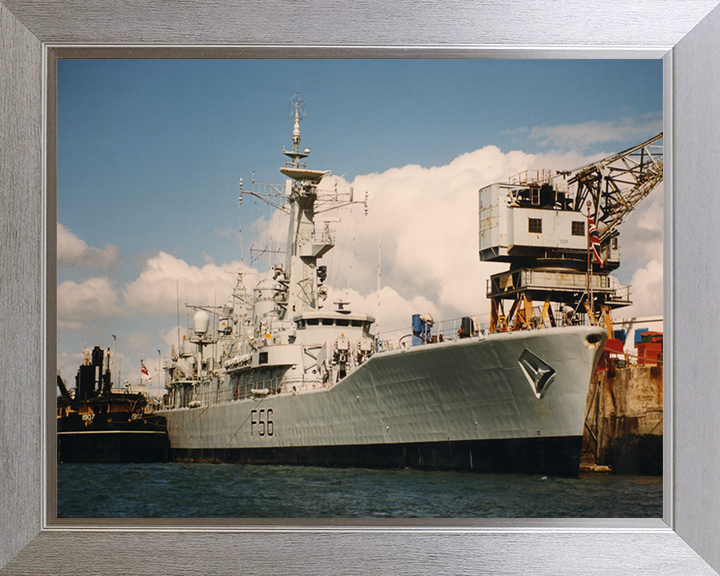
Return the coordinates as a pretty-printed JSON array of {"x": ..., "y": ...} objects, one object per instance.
[
  {"x": 498, "y": 322},
  {"x": 548, "y": 313},
  {"x": 608, "y": 321},
  {"x": 590, "y": 313}
]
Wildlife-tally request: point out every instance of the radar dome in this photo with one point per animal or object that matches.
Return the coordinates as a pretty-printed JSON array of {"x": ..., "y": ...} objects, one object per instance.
[{"x": 201, "y": 320}]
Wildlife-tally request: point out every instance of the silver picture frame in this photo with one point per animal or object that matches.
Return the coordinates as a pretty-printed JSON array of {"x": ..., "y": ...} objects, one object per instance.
[{"x": 685, "y": 33}]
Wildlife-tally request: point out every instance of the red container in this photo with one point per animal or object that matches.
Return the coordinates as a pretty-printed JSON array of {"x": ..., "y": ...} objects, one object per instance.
[
  {"x": 614, "y": 346},
  {"x": 648, "y": 353}
]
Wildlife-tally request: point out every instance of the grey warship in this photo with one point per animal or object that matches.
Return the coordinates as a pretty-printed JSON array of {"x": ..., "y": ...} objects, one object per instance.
[{"x": 285, "y": 377}]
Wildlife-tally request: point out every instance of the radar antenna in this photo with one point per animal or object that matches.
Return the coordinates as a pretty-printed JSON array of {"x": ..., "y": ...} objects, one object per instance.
[{"x": 297, "y": 111}]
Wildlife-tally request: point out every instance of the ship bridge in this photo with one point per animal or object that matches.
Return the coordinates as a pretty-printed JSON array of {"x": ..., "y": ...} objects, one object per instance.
[{"x": 339, "y": 319}]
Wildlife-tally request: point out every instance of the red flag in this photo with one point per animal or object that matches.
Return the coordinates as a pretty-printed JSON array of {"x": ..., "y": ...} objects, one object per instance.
[
  {"x": 144, "y": 371},
  {"x": 595, "y": 241}
]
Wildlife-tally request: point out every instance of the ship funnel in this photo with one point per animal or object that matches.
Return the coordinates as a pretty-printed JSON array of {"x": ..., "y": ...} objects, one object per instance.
[{"x": 201, "y": 320}]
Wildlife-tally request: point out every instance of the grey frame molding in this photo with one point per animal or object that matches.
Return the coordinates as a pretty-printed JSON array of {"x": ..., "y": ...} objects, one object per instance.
[{"x": 684, "y": 33}]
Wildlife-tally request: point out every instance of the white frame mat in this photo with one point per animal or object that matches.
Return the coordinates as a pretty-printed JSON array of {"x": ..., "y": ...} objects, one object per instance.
[{"x": 685, "y": 33}]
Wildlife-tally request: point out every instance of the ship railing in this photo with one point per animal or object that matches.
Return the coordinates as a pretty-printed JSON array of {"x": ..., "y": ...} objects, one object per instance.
[
  {"x": 235, "y": 391},
  {"x": 441, "y": 331},
  {"x": 621, "y": 294},
  {"x": 522, "y": 280},
  {"x": 526, "y": 177}
]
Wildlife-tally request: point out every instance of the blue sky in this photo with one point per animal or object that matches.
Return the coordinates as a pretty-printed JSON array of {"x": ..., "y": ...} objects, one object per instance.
[{"x": 150, "y": 153}]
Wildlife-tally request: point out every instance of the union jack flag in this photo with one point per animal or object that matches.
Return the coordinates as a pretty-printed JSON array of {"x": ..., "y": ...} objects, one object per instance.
[
  {"x": 595, "y": 241},
  {"x": 144, "y": 371}
]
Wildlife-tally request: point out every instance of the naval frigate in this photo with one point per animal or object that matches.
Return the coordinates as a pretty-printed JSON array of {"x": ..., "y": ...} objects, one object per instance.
[{"x": 285, "y": 378}]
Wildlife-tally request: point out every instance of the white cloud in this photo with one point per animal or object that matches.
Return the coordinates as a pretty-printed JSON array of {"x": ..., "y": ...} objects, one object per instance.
[
  {"x": 646, "y": 292},
  {"x": 427, "y": 221},
  {"x": 73, "y": 251},
  {"x": 174, "y": 335},
  {"x": 641, "y": 234},
  {"x": 392, "y": 313},
  {"x": 93, "y": 299},
  {"x": 67, "y": 367},
  {"x": 580, "y": 136},
  {"x": 270, "y": 239},
  {"x": 126, "y": 367},
  {"x": 122, "y": 368},
  {"x": 139, "y": 343},
  {"x": 155, "y": 291}
]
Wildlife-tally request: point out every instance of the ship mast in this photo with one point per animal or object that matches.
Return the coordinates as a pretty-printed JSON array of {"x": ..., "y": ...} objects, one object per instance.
[
  {"x": 297, "y": 111},
  {"x": 298, "y": 283},
  {"x": 303, "y": 247}
]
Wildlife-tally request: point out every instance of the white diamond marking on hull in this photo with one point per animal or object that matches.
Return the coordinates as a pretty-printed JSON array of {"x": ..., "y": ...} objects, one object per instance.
[{"x": 538, "y": 373}]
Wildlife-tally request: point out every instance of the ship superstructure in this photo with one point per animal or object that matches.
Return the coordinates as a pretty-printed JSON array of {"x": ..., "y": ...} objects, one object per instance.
[
  {"x": 280, "y": 337},
  {"x": 287, "y": 377}
]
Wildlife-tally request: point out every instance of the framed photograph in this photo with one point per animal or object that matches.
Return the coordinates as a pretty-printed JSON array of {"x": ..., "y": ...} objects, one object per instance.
[
  {"x": 35, "y": 541},
  {"x": 337, "y": 384}
]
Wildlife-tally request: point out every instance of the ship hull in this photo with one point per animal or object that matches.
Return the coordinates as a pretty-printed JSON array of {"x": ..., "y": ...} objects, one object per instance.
[
  {"x": 467, "y": 404},
  {"x": 555, "y": 456},
  {"x": 108, "y": 440},
  {"x": 112, "y": 446}
]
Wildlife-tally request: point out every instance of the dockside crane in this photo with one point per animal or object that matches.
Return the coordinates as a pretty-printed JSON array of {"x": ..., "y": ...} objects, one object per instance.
[{"x": 559, "y": 233}]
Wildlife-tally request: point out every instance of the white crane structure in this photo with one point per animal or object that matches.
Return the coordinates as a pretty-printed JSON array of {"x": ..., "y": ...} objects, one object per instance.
[{"x": 559, "y": 232}]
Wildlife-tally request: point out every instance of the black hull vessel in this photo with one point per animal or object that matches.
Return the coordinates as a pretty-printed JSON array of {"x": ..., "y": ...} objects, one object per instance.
[
  {"x": 97, "y": 424},
  {"x": 113, "y": 437}
]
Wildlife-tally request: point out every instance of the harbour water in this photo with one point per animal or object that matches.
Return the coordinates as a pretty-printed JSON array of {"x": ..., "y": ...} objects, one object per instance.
[{"x": 202, "y": 490}]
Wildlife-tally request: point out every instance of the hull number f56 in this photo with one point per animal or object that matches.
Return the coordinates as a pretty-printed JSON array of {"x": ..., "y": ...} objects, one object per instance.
[{"x": 261, "y": 422}]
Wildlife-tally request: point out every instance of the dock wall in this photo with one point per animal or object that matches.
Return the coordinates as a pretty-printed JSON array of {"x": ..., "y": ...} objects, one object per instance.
[{"x": 624, "y": 419}]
